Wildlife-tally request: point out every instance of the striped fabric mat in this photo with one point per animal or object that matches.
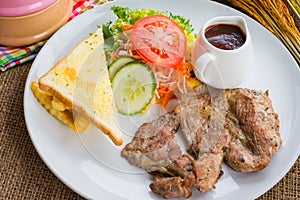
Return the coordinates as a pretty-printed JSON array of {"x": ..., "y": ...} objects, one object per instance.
[{"x": 12, "y": 56}]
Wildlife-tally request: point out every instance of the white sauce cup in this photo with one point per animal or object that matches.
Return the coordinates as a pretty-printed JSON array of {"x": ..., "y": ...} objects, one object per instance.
[{"x": 221, "y": 68}]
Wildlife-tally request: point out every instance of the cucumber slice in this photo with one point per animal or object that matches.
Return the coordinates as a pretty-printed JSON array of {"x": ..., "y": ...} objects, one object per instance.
[
  {"x": 117, "y": 64},
  {"x": 133, "y": 87}
]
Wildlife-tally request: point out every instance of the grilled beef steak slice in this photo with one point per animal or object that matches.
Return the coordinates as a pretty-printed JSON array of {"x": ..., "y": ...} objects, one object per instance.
[
  {"x": 194, "y": 112},
  {"x": 203, "y": 125},
  {"x": 154, "y": 145},
  {"x": 177, "y": 177},
  {"x": 173, "y": 187},
  {"x": 254, "y": 128},
  {"x": 208, "y": 171},
  {"x": 181, "y": 167}
]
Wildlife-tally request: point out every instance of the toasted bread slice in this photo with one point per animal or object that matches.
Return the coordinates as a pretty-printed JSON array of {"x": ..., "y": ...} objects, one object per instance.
[{"x": 81, "y": 81}]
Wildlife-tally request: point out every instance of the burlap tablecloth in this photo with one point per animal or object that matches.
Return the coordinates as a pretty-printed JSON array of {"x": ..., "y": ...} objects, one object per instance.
[{"x": 23, "y": 175}]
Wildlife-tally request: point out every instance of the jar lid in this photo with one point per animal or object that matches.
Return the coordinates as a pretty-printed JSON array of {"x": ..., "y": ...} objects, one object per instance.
[{"x": 13, "y": 8}]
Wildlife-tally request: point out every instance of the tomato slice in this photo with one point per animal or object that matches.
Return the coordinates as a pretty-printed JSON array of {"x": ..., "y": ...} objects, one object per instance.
[{"x": 159, "y": 40}]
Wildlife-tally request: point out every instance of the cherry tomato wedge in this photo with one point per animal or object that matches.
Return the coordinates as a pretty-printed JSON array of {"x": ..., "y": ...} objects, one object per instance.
[{"x": 159, "y": 40}]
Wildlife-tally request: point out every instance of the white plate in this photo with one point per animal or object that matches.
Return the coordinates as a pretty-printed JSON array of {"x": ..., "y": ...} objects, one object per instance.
[{"x": 105, "y": 175}]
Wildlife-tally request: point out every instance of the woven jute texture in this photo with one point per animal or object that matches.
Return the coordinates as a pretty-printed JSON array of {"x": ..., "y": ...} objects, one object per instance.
[{"x": 23, "y": 175}]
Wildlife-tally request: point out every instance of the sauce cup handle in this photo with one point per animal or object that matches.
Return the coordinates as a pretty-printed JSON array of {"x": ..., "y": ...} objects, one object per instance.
[{"x": 201, "y": 65}]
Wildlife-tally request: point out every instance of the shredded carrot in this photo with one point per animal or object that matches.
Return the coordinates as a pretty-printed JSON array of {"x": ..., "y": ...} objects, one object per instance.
[
  {"x": 127, "y": 27},
  {"x": 167, "y": 86},
  {"x": 168, "y": 96}
]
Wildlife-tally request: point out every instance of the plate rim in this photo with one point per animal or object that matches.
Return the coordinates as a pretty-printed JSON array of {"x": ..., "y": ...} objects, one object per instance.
[{"x": 61, "y": 177}]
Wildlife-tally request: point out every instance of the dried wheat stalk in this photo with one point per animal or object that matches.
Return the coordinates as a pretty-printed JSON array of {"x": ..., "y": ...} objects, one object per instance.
[
  {"x": 295, "y": 7},
  {"x": 275, "y": 16}
]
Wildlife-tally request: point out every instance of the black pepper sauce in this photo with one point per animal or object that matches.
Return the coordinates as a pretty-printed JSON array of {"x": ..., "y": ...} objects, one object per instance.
[{"x": 225, "y": 36}]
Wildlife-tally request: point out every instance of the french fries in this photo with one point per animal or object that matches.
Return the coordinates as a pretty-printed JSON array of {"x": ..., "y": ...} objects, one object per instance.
[{"x": 59, "y": 110}]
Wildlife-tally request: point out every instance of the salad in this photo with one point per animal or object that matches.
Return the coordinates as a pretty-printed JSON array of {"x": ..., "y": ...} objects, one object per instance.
[{"x": 148, "y": 54}]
